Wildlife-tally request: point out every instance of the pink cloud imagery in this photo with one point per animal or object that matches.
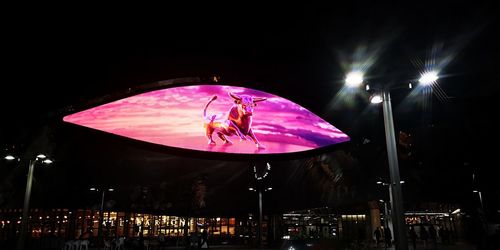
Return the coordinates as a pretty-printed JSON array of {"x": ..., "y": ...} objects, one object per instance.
[{"x": 174, "y": 117}]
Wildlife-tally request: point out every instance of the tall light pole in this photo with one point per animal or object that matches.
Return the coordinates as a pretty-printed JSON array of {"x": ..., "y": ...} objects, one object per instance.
[
  {"x": 101, "y": 211},
  {"x": 24, "y": 221},
  {"x": 480, "y": 197},
  {"x": 259, "y": 176},
  {"x": 399, "y": 223},
  {"x": 476, "y": 190},
  {"x": 355, "y": 79},
  {"x": 384, "y": 97}
]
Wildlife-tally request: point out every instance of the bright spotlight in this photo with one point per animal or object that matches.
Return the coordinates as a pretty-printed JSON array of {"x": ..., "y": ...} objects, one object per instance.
[
  {"x": 376, "y": 98},
  {"x": 92, "y": 189},
  {"x": 428, "y": 78},
  {"x": 354, "y": 79},
  {"x": 9, "y": 157},
  {"x": 47, "y": 161},
  {"x": 41, "y": 156}
]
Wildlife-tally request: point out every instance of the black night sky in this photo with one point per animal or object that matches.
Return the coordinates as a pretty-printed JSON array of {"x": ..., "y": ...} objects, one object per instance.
[{"x": 56, "y": 60}]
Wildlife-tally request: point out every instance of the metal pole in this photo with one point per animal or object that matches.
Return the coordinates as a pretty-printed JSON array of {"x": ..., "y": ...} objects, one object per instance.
[
  {"x": 390, "y": 225},
  {"x": 101, "y": 219},
  {"x": 27, "y": 195},
  {"x": 260, "y": 217},
  {"x": 481, "y": 199},
  {"x": 397, "y": 203},
  {"x": 386, "y": 215}
]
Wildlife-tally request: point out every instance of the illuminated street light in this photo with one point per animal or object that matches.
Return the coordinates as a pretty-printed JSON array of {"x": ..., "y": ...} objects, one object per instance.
[
  {"x": 9, "y": 157},
  {"x": 428, "y": 78},
  {"x": 376, "y": 98},
  {"x": 354, "y": 79},
  {"x": 27, "y": 196}
]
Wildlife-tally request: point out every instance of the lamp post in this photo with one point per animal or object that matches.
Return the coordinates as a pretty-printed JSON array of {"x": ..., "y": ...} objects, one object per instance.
[
  {"x": 260, "y": 186},
  {"x": 426, "y": 79},
  {"x": 476, "y": 190},
  {"x": 395, "y": 187},
  {"x": 355, "y": 79},
  {"x": 24, "y": 221},
  {"x": 101, "y": 211},
  {"x": 480, "y": 197}
]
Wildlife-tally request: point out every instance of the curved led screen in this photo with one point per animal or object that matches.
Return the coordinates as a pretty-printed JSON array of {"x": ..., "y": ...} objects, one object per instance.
[{"x": 213, "y": 118}]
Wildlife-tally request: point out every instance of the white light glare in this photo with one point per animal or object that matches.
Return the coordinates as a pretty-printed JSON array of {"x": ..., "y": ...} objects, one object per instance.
[
  {"x": 9, "y": 157},
  {"x": 428, "y": 78},
  {"x": 375, "y": 99},
  {"x": 456, "y": 211},
  {"x": 47, "y": 161},
  {"x": 111, "y": 189},
  {"x": 41, "y": 156},
  {"x": 92, "y": 189},
  {"x": 354, "y": 79},
  {"x": 402, "y": 182},
  {"x": 379, "y": 182}
]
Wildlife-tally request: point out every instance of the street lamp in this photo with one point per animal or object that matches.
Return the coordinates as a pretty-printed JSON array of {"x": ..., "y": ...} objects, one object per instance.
[
  {"x": 355, "y": 79},
  {"x": 101, "y": 211},
  {"x": 260, "y": 175},
  {"x": 476, "y": 190},
  {"x": 27, "y": 195}
]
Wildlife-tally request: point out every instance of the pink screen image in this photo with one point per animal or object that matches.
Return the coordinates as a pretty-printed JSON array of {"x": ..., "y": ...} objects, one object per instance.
[{"x": 238, "y": 120}]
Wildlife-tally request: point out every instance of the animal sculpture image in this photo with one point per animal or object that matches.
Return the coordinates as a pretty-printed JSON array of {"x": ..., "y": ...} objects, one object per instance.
[{"x": 238, "y": 121}]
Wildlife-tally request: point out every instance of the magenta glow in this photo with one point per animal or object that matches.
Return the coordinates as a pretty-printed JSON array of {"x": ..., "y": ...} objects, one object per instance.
[{"x": 175, "y": 117}]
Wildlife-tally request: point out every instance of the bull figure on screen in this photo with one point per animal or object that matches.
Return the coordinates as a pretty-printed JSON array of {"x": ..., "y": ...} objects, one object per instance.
[{"x": 238, "y": 121}]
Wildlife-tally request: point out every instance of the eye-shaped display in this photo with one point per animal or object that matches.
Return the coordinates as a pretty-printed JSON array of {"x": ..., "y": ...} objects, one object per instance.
[{"x": 213, "y": 118}]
